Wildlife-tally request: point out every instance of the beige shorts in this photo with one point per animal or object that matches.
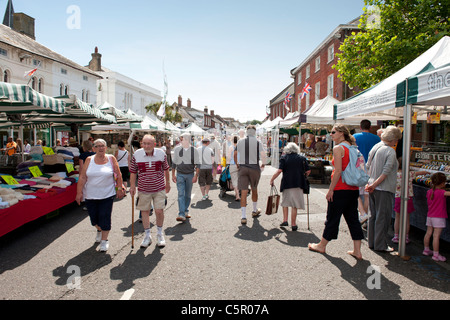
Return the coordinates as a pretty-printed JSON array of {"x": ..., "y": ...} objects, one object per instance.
[
  {"x": 248, "y": 176},
  {"x": 144, "y": 200}
]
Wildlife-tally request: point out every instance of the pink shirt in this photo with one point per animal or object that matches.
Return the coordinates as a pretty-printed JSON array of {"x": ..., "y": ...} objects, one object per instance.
[{"x": 437, "y": 208}]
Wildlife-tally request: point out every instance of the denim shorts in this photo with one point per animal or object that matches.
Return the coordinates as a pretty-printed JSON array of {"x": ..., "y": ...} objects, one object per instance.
[{"x": 100, "y": 212}]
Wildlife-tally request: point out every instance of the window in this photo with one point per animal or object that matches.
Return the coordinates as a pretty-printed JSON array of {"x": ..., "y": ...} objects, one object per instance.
[
  {"x": 63, "y": 71},
  {"x": 85, "y": 78},
  {"x": 307, "y": 101},
  {"x": 317, "y": 91},
  {"x": 36, "y": 62},
  {"x": 3, "y": 52},
  {"x": 307, "y": 71},
  {"x": 299, "y": 78},
  {"x": 330, "y": 85},
  {"x": 317, "y": 64},
  {"x": 61, "y": 89},
  {"x": 41, "y": 85},
  {"x": 83, "y": 95},
  {"x": 87, "y": 96},
  {"x": 66, "y": 90},
  {"x": 331, "y": 53},
  {"x": 34, "y": 83}
]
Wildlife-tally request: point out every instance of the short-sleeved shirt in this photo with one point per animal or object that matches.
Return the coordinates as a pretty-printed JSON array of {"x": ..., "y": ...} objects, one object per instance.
[
  {"x": 365, "y": 142},
  {"x": 150, "y": 169}
]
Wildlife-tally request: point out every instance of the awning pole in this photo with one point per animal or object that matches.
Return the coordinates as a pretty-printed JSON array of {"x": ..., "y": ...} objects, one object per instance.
[{"x": 407, "y": 122}]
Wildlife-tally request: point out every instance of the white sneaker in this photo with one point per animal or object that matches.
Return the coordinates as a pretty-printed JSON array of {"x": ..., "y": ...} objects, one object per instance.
[
  {"x": 104, "y": 246},
  {"x": 161, "y": 241},
  {"x": 98, "y": 237},
  {"x": 146, "y": 242}
]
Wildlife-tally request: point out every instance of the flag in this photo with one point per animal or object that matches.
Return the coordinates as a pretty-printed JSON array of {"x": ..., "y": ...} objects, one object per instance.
[
  {"x": 29, "y": 73},
  {"x": 162, "y": 110},
  {"x": 306, "y": 89},
  {"x": 287, "y": 99}
]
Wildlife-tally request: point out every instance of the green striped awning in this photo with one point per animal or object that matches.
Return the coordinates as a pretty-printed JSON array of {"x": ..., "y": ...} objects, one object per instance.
[{"x": 20, "y": 98}]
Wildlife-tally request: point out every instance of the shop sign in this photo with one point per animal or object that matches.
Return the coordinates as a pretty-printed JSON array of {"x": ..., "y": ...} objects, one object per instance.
[
  {"x": 9, "y": 179},
  {"x": 432, "y": 156},
  {"x": 35, "y": 171},
  {"x": 433, "y": 117}
]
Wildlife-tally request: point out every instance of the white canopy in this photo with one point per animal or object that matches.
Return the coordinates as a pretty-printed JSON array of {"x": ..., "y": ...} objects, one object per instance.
[
  {"x": 429, "y": 83},
  {"x": 194, "y": 129}
]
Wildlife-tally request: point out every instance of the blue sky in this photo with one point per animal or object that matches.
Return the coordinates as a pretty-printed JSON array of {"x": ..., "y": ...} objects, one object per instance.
[{"x": 232, "y": 56}]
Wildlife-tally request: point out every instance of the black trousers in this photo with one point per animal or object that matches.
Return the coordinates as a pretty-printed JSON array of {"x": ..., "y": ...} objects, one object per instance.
[{"x": 345, "y": 202}]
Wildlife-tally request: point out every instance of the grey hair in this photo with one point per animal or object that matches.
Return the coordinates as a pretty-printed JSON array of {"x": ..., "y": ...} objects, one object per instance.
[
  {"x": 100, "y": 141},
  {"x": 391, "y": 133},
  {"x": 291, "y": 147}
]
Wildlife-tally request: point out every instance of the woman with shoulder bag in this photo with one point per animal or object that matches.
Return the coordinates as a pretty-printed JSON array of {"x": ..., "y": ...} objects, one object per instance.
[
  {"x": 123, "y": 158},
  {"x": 295, "y": 169},
  {"x": 97, "y": 184},
  {"x": 342, "y": 198}
]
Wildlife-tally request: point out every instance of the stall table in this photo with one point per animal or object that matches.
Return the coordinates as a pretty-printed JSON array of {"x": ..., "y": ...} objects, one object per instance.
[{"x": 28, "y": 210}]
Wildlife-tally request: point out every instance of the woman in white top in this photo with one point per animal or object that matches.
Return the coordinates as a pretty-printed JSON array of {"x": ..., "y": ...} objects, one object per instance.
[
  {"x": 123, "y": 158},
  {"x": 97, "y": 185}
]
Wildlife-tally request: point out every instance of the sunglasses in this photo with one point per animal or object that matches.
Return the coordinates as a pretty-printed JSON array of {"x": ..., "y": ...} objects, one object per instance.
[{"x": 332, "y": 132}]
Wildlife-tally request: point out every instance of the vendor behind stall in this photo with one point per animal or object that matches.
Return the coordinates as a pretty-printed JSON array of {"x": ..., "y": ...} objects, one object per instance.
[{"x": 11, "y": 147}]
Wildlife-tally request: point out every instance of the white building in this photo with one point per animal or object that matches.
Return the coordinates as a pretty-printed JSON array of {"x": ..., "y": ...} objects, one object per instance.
[
  {"x": 121, "y": 91},
  {"x": 55, "y": 76}
]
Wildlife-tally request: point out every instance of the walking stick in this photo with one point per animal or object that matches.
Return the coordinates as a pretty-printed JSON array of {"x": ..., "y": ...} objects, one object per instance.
[
  {"x": 307, "y": 208},
  {"x": 132, "y": 222}
]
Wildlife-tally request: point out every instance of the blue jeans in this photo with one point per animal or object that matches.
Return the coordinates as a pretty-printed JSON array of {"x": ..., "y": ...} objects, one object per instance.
[{"x": 184, "y": 186}]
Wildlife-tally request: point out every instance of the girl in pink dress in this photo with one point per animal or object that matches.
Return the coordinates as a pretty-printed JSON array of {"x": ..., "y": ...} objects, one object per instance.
[{"x": 437, "y": 214}]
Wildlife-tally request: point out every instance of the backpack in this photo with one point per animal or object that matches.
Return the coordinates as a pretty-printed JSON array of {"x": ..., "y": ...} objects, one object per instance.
[{"x": 355, "y": 173}]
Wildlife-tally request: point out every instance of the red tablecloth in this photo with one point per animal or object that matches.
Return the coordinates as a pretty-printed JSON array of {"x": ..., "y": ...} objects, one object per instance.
[{"x": 31, "y": 209}]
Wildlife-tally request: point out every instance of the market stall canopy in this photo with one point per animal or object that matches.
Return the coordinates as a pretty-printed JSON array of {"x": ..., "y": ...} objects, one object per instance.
[
  {"x": 20, "y": 98},
  {"x": 289, "y": 120},
  {"x": 121, "y": 116},
  {"x": 428, "y": 72},
  {"x": 321, "y": 112},
  {"x": 171, "y": 127},
  {"x": 149, "y": 124},
  {"x": 194, "y": 129},
  {"x": 78, "y": 112}
]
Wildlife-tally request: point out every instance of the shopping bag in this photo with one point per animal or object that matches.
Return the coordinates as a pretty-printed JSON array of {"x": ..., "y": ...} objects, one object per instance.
[{"x": 273, "y": 201}]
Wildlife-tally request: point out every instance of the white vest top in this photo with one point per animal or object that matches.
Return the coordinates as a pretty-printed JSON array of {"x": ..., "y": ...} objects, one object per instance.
[{"x": 100, "y": 182}]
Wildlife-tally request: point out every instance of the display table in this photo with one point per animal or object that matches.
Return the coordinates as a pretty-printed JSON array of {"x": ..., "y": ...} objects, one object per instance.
[
  {"x": 28, "y": 210},
  {"x": 418, "y": 218}
]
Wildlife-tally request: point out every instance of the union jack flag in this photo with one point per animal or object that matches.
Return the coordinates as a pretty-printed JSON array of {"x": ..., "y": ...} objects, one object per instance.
[
  {"x": 306, "y": 89},
  {"x": 287, "y": 100}
]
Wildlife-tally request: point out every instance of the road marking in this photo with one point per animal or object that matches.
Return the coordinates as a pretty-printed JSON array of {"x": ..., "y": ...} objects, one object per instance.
[
  {"x": 320, "y": 192},
  {"x": 127, "y": 294}
]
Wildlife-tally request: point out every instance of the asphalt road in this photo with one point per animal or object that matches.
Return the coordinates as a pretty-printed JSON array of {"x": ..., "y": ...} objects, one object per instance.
[{"x": 209, "y": 257}]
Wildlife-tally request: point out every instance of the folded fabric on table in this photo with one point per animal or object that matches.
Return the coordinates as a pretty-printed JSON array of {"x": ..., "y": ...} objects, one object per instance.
[
  {"x": 4, "y": 205},
  {"x": 28, "y": 182}
]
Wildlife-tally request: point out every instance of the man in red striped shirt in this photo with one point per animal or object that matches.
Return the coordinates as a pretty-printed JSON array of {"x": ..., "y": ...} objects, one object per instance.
[{"x": 149, "y": 165}]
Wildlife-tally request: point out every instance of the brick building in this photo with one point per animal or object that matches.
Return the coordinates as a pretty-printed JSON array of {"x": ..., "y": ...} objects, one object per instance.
[
  {"x": 317, "y": 71},
  {"x": 277, "y": 108}
]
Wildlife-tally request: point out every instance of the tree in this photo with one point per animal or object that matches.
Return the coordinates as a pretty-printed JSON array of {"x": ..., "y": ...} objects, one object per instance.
[
  {"x": 393, "y": 33},
  {"x": 171, "y": 115}
]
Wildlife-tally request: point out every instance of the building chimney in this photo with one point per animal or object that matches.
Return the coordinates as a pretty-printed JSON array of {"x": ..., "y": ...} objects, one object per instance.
[
  {"x": 180, "y": 101},
  {"x": 212, "y": 113},
  {"x": 188, "y": 103},
  {"x": 24, "y": 24},
  {"x": 96, "y": 62},
  {"x": 206, "y": 110}
]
